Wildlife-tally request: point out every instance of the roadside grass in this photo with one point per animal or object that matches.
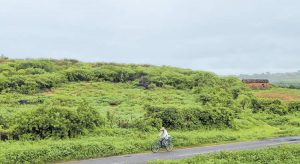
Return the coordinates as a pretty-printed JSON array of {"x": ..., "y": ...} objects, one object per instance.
[
  {"x": 109, "y": 142},
  {"x": 289, "y": 154}
]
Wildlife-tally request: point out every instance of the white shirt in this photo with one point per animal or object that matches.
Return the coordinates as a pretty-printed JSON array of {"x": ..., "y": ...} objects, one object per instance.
[{"x": 163, "y": 134}]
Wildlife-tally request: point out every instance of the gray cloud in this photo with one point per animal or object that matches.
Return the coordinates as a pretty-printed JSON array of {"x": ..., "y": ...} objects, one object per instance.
[{"x": 227, "y": 37}]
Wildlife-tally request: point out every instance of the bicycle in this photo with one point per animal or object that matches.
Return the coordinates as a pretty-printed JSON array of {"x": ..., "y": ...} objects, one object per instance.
[{"x": 166, "y": 143}]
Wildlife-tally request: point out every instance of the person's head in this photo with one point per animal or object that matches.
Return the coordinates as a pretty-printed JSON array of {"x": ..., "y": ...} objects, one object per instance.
[{"x": 162, "y": 129}]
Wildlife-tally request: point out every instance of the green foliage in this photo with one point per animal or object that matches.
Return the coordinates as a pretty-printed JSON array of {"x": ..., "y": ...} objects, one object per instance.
[
  {"x": 45, "y": 65},
  {"x": 48, "y": 81},
  {"x": 191, "y": 117},
  {"x": 3, "y": 83},
  {"x": 17, "y": 73},
  {"x": 144, "y": 82},
  {"x": 294, "y": 106},
  {"x": 235, "y": 92},
  {"x": 78, "y": 75},
  {"x": 215, "y": 97},
  {"x": 52, "y": 121},
  {"x": 269, "y": 105},
  {"x": 244, "y": 101},
  {"x": 31, "y": 71}
]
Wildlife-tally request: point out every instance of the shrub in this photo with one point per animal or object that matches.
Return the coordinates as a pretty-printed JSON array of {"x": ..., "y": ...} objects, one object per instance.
[
  {"x": 144, "y": 82},
  {"x": 214, "y": 97},
  {"x": 205, "y": 98},
  {"x": 45, "y": 122},
  {"x": 46, "y": 65},
  {"x": 29, "y": 87},
  {"x": 204, "y": 79},
  {"x": 78, "y": 75},
  {"x": 88, "y": 117},
  {"x": 116, "y": 74},
  {"x": 268, "y": 105},
  {"x": 191, "y": 117},
  {"x": 48, "y": 81},
  {"x": 235, "y": 92},
  {"x": 172, "y": 118},
  {"x": 244, "y": 101},
  {"x": 155, "y": 122},
  {"x": 142, "y": 125},
  {"x": 31, "y": 71},
  {"x": 28, "y": 84},
  {"x": 3, "y": 83},
  {"x": 6, "y": 68},
  {"x": 294, "y": 106}
]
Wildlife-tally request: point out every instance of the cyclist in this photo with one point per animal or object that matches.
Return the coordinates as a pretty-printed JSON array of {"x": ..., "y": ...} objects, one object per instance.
[{"x": 164, "y": 136}]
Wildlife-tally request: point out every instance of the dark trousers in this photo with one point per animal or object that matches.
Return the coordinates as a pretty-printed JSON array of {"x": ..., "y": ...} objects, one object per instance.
[{"x": 163, "y": 141}]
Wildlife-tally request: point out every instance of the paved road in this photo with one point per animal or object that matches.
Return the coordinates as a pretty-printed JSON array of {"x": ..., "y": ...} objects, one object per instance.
[{"x": 183, "y": 153}]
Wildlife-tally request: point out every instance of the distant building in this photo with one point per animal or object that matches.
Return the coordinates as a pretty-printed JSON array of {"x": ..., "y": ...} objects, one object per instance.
[{"x": 257, "y": 83}]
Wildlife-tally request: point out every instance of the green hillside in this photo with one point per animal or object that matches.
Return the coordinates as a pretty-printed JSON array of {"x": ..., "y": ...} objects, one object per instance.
[{"x": 59, "y": 110}]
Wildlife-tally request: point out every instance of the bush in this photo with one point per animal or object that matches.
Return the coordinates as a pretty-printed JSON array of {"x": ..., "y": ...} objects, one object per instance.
[
  {"x": 31, "y": 71},
  {"x": 78, "y": 75},
  {"x": 116, "y": 74},
  {"x": 294, "y": 106},
  {"x": 45, "y": 65},
  {"x": 28, "y": 84},
  {"x": 189, "y": 117},
  {"x": 144, "y": 82},
  {"x": 3, "y": 83},
  {"x": 214, "y": 97},
  {"x": 243, "y": 101},
  {"x": 172, "y": 118},
  {"x": 235, "y": 92},
  {"x": 104, "y": 75},
  {"x": 48, "y": 81},
  {"x": 268, "y": 105},
  {"x": 29, "y": 87},
  {"x": 45, "y": 122}
]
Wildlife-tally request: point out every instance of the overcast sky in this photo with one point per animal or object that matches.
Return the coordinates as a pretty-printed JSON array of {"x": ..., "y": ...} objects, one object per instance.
[{"x": 223, "y": 36}]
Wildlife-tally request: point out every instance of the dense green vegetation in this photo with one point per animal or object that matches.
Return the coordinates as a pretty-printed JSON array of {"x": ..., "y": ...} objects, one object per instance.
[
  {"x": 53, "y": 110},
  {"x": 289, "y": 154}
]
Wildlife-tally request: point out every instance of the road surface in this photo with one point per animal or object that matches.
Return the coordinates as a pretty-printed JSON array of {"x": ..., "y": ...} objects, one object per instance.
[{"x": 189, "y": 152}]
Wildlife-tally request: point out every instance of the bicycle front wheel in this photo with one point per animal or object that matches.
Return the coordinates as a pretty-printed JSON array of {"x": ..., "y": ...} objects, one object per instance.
[{"x": 170, "y": 146}]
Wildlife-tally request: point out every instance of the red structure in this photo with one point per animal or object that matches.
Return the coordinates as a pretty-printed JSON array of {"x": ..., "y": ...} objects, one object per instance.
[{"x": 257, "y": 83}]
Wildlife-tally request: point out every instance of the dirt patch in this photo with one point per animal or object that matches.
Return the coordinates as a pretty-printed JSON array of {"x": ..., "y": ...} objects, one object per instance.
[{"x": 281, "y": 96}]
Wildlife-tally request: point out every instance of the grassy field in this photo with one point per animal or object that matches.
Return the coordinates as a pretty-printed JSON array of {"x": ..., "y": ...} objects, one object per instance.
[
  {"x": 119, "y": 98},
  {"x": 289, "y": 154},
  {"x": 285, "y": 94}
]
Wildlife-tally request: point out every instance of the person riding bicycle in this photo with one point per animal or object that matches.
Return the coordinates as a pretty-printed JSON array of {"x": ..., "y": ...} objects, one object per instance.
[
  {"x": 163, "y": 142},
  {"x": 164, "y": 136}
]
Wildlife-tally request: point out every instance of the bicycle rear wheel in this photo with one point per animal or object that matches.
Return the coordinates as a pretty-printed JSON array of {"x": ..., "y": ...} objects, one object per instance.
[{"x": 155, "y": 147}]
